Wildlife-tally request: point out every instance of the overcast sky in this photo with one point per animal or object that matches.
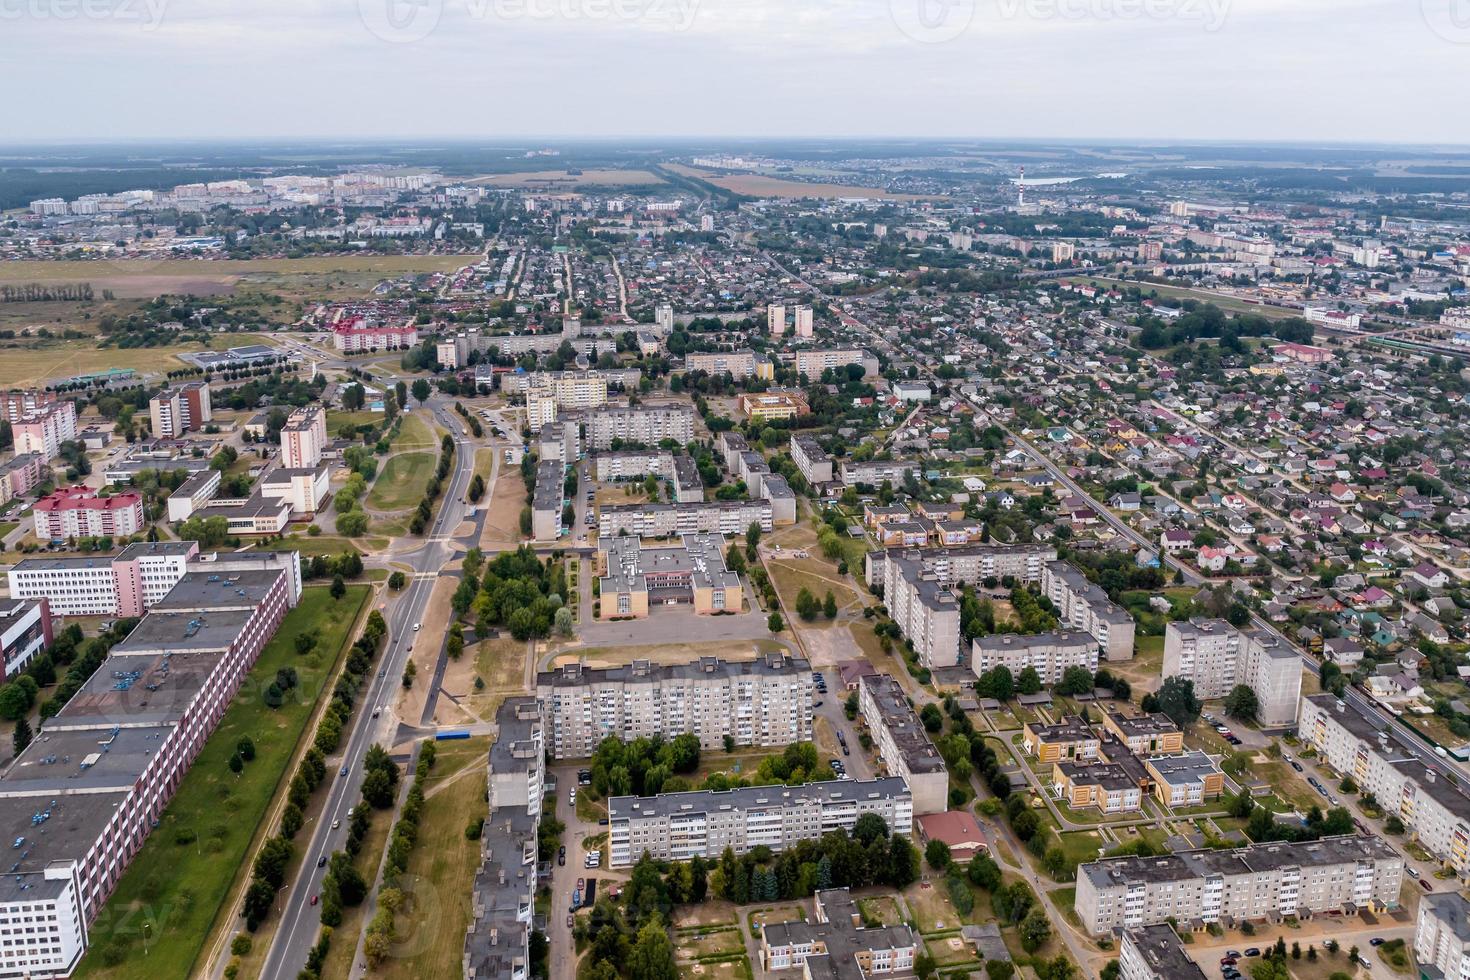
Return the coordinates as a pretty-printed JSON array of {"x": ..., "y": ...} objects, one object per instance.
[{"x": 1352, "y": 70}]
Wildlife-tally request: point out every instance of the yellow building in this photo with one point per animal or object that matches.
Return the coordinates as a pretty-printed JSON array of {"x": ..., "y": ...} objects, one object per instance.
[
  {"x": 631, "y": 578},
  {"x": 1070, "y": 739},
  {"x": 1145, "y": 734}
]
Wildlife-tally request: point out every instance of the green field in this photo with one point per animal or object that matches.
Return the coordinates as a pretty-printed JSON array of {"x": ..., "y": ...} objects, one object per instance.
[
  {"x": 29, "y": 362},
  {"x": 177, "y": 883},
  {"x": 336, "y": 420},
  {"x": 1229, "y": 304},
  {"x": 96, "y": 271},
  {"x": 441, "y": 868},
  {"x": 402, "y": 483}
]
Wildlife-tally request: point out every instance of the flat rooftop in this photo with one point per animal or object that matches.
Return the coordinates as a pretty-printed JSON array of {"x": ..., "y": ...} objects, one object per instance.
[
  {"x": 1164, "y": 953},
  {"x": 1189, "y": 865},
  {"x": 644, "y": 671},
  {"x": 919, "y": 754},
  {"x": 183, "y": 632},
  {"x": 222, "y": 589},
  {"x": 754, "y": 798}
]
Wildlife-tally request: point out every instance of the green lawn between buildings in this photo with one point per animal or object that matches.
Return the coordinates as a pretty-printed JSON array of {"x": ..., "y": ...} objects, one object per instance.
[{"x": 177, "y": 884}]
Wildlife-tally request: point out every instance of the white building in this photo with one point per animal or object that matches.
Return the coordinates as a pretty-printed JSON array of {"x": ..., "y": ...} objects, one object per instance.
[
  {"x": 1442, "y": 937},
  {"x": 776, "y": 319},
  {"x": 1216, "y": 657},
  {"x": 303, "y": 438}
]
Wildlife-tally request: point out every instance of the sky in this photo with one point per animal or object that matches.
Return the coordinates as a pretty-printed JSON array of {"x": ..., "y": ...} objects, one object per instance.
[{"x": 1291, "y": 70}]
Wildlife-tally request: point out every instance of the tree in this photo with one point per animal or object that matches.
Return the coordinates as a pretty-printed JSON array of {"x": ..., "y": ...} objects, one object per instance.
[
  {"x": 924, "y": 966},
  {"x": 652, "y": 956},
  {"x": 1242, "y": 703},
  {"x": 352, "y": 397},
  {"x": 936, "y": 852},
  {"x": 1075, "y": 680},
  {"x": 339, "y": 588},
  {"x": 931, "y": 716},
  {"x": 997, "y": 683},
  {"x": 1176, "y": 698},
  {"x": 421, "y": 390},
  {"x": 237, "y": 764},
  {"x": 397, "y": 581},
  {"x": 563, "y": 620},
  {"x": 1028, "y": 681},
  {"x": 352, "y": 524},
  {"x": 22, "y": 735},
  {"x": 829, "y": 606},
  {"x": 1034, "y": 931},
  {"x": 807, "y": 604},
  {"x": 774, "y": 622}
]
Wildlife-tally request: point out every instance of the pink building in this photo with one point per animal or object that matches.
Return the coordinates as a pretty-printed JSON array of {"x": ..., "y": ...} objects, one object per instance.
[
  {"x": 76, "y": 512},
  {"x": 15, "y": 405},
  {"x": 19, "y": 475},
  {"x": 44, "y": 430}
]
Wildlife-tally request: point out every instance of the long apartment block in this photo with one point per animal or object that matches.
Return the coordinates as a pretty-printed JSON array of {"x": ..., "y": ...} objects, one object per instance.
[
  {"x": 902, "y": 743},
  {"x": 1442, "y": 937},
  {"x": 1436, "y": 812},
  {"x": 1334, "y": 874},
  {"x": 646, "y": 425},
  {"x": 497, "y": 943},
  {"x": 1085, "y": 606},
  {"x": 1217, "y": 657},
  {"x": 767, "y": 701},
  {"x": 1050, "y": 653},
  {"x": 677, "y": 826},
  {"x": 135, "y": 579},
  {"x": 81, "y": 799},
  {"x": 652, "y": 520}
]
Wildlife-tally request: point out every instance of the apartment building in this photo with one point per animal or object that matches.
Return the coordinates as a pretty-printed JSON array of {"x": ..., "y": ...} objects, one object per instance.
[
  {"x": 1217, "y": 657},
  {"x": 692, "y": 573},
  {"x": 739, "y": 364},
  {"x": 902, "y": 743},
  {"x": 837, "y": 944},
  {"x": 304, "y": 438},
  {"x": 766, "y": 701},
  {"x": 778, "y": 493},
  {"x": 677, "y": 826},
  {"x": 874, "y": 472},
  {"x": 359, "y": 335},
  {"x": 19, "y": 474},
  {"x": 803, "y": 322},
  {"x": 776, "y": 319},
  {"x": 175, "y": 411},
  {"x": 1068, "y": 739},
  {"x": 547, "y": 499},
  {"x": 688, "y": 485},
  {"x": 811, "y": 459},
  {"x": 76, "y": 512},
  {"x": 1333, "y": 874},
  {"x": 540, "y": 410},
  {"x": 969, "y": 564},
  {"x": 497, "y": 942},
  {"x": 632, "y": 464},
  {"x": 1436, "y": 812},
  {"x": 1155, "y": 953},
  {"x": 16, "y": 404},
  {"x": 646, "y": 425},
  {"x": 100, "y": 773},
  {"x": 25, "y": 630},
  {"x": 1085, "y": 606},
  {"x": 811, "y": 363},
  {"x": 1442, "y": 937},
  {"x": 1144, "y": 734},
  {"x": 1050, "y": 653},
  {"x": 570, "y": 389},
  {"x": 45, "y": 429},
  {"x": 651, "y": 520}
]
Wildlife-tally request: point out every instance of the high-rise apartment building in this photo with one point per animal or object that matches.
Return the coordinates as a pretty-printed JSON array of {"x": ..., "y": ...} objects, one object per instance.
[
  {"x": 902, "y": 743},
  {"x": 1085, "y": 606},
  {"x": 1217, "y": 657},
  {"x": 776, "y": 319}
]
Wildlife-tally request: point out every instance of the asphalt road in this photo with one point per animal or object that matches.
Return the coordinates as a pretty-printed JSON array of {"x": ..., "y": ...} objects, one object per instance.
[{"x": 300, "y": 919}]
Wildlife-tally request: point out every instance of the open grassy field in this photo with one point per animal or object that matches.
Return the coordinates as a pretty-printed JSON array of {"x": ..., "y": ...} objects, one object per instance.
[
  {"x": 560, "y": 179},
  {"x": 101, "y": 273},
  {"x": 414, "y": 434},
  {"x": 441, "y": 869},
  {"x": 759, "y": 185},
  {"x": 30, "y": 362},
  {"x": 178, "y": 882},
  {"x": 1229, "y": 304},
  {"x": 337, "y": 420},
  {"x": 401, "y": 484}
]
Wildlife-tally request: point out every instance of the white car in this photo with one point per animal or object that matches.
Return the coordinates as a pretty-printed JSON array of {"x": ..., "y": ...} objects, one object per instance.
[{"x": 416, "y": 627}]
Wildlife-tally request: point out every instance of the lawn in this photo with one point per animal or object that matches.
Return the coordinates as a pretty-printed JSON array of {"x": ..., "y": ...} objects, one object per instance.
[
  {"x": 337, "y": 421},
  {"x": 414, "y": 434},
  {"x": 178, "y": 883},
  {"x": 402, "y": 483},
  {"x": 441, "y": 868},
  {"x": 36, "y": 362}
]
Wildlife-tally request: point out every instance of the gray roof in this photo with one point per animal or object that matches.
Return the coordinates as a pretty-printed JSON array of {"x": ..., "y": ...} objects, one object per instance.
[
  {"x": 754, "y": 797},
  {"x": 644, "y": 671},
  {"x": 1162, "y": 951},
  {"x": 919, "y": 754},
  {"x": 1187, "y": 865}
]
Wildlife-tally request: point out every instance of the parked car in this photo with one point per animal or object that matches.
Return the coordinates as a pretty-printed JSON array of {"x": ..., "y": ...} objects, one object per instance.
[
  {"x": 581, "y": 883},
  {"x": 1425, "y": 885},
  {"x": 1376, "y": 941},
  {"x": 1296, "y": 765},
  {"x": 314, "y": 898},
  {"x": 571, "y": 920},
  {"x": 1413, "y": 872},
  {"x": 561, "y": 856},
  {"x": 1233, "y": 954},
  {"x": 1253, "y": 951}
]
